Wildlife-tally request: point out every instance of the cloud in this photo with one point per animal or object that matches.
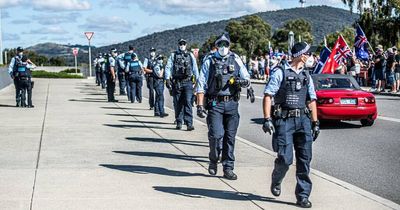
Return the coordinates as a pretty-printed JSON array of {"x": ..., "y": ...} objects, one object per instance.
[
  {"x": 9, "y": 3},
  {"x": 61, "y": 5},
  {"x": 4, "y": 14},
  {"x": 111, "y": 24},
  {"x": 11, "y": 37},
  {"x": 215, "y": 8},
  {"x": 158, "y": 28},
  {"x": 20, "y": 21},
  {"x": 47, "y": 30},
  {"x": 55, "y": 19}
]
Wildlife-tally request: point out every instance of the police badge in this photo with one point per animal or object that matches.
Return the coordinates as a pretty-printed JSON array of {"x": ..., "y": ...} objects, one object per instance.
[{"x": 231, "y": 68}]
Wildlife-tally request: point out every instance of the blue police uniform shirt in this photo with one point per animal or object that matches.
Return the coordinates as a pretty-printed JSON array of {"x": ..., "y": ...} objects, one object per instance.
[
  {"x": 111, "y": 60},
  {"x": 146, "y": 62},
  {"x": 158, "y": 70},
  {"x": 204, "y": 72},
  {"x": 13, "y": 62},
  {"x": 140, "y": 64},
  {"x": 276, "y": 79},
  {"x": 170, "y": 63}
]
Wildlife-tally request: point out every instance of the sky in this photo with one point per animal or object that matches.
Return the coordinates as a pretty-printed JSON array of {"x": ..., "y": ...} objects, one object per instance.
[{"x": 29, "y": 22}]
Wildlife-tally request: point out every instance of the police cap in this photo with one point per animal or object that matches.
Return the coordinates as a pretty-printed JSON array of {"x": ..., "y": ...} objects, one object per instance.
[
  {"x": 182, "y": 41},
  {"x": 152, "y": 49},
  {"x": 131, "y": 47},
  {"x": 20, "y": 49},
  {"x": 301, "y": 48},
  {"x": 223, "y": 38},
  {"x": 113, "y": 50}
]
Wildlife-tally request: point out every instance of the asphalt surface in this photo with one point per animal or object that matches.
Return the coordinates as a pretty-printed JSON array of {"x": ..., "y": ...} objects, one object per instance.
[{"x": 367, "y": 157}]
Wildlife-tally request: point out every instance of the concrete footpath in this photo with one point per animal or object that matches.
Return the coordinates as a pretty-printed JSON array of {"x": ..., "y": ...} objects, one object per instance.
[{"x": 76, "y": 151}]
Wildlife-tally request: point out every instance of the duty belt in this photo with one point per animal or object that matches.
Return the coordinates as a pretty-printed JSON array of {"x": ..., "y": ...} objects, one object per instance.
[
  {"x": 224, "y": 98},
  {"x": 286, "y": 113}
]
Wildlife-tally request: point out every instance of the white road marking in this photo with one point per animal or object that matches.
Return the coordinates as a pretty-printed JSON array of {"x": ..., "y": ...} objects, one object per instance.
[{"x": 389, "y": 119}]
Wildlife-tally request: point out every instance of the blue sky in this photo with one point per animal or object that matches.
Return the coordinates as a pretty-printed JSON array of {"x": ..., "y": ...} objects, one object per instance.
[{"x": 29, "y": 22}]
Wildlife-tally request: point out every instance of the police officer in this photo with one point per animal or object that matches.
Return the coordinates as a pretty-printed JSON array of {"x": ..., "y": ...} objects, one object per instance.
[
  {"x": 97, "y": 68},
  {"x": 292, "y": 121},
  {"x": 149, "y": 64},
  {"x": 121, "y": 74},
  {"x": 23, "y": 73},
  {"x": 110, "y": 73},
  {"x": 135, "y": 70},
  {"x": 12, "y": 70},
  {"x": 180, "y": 72},
  {"x": 101, "y": 62},
  {"x": 123, "y": 62},
  {"x": 158, "y": 76},
  {"x": 222, "y": 76}
]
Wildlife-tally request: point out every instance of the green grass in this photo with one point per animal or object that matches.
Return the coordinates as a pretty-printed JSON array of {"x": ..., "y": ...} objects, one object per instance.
[
  {"x": 70, "y": 71},
  {"x": 55, "y": 75}
]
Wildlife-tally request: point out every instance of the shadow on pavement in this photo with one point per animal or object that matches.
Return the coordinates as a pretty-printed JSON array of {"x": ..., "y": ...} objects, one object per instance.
[
  {"x": 130, "y": 115},
  {"x": 202, "y": 159},
  {"x": 219, "y": 194},
  {"x": 136, "y": 126},
  {"x": 147, "y": 122},
  {"x": 123, "y": 108},
  {"x": 91, "y": 101},
  {"x": 152, "y": 170},
  {"x": 6, "y": 105},
  {"x": 328, "y": 125},
  {"x": 168, "y": 141}
]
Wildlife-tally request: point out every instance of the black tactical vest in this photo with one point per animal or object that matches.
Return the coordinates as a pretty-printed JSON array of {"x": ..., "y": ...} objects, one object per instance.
[
  {"x": 182, "y": 67},
  {"x": 151, "y": 63},
  {"x": 293, "y": 91},
  {"x": 220, "y": 72},
  {"x": 22, "y": 69}
]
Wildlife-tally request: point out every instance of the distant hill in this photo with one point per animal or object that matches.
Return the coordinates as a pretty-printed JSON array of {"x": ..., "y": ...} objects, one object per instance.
[{"x": 324, "y": 20}]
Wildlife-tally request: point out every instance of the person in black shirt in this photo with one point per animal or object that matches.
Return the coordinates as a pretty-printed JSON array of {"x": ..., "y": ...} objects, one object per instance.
[
  {"x": 390, "y": 70},
  {"x": 379, "y": 69},
  {"x": 396, "y": 68}
]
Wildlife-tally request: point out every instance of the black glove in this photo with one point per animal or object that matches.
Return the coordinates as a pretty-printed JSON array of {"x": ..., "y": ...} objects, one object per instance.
[
  {"x": 315, "y": 130},
  {"x": 201, "y": 112},
  {"x": 268, "y": 126},
  {"x": 168, "y": 84},
  {"x": 250, "y": 94}
]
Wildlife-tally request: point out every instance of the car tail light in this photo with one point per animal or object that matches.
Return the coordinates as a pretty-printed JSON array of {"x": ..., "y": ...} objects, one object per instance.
[
  {"x": 325, "y": 101},
  {"x": 369, "y": 100}
]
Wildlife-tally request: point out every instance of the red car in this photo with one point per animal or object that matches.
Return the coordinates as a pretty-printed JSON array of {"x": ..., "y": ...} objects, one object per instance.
[{"x": 341, "y": 98}]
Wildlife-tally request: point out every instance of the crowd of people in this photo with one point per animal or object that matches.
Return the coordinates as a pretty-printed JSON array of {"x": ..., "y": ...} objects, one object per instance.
[{"x": 381, "y": 72}]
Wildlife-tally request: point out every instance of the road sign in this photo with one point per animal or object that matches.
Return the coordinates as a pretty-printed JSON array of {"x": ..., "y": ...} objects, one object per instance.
[
  {"x": 75, "y": 51},
  {"x": 89, "y": 35}
]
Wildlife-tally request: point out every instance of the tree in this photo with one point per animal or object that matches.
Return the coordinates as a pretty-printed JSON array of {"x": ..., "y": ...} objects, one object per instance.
[
  {"x": 207, "y": 46},
  {"x": 348, "y": 34},
  {"x": 300, "y": 27},
  {"x": 249, "y": 35},
  {"x": 380, "y": 20}
]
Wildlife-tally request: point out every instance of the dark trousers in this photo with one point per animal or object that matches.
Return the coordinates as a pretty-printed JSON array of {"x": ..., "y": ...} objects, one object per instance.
[
  {"x": 110, "y": 87},
  {"x": 122, "y": 82},
  {"x": 150, "y": 86},
  {"x": 25, "y": 89},
  {"x": 159, "y": 101},
  {"x": 223, "y": 122},
  {"x": 183, "y": 92},
  {"x": 98, "y": 78},
  {"x": 17, "y": 90},
  {"x": 293, "y": 133},
  {"x": 135, "y": 87}
]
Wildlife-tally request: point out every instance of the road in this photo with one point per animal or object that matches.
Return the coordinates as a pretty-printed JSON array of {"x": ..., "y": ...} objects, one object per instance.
[{"x": 367, "y": 157}]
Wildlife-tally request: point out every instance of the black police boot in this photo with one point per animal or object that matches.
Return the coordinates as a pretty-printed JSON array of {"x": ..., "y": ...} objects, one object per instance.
[
  {"x": 228, "y": 174},
  {"x": 276, "y": 189},
  {"x": 17, "y": 105},
  {"x": 151, "y": 108},
  {"x": 164, "y": 115},
  {"x": 190, "y": 128},
  {"x": 304, "y": 203},
  {"x": 31, "y": 106},
  {"x": 212, "y": 168},
  {"x": 179, "y": 126},
  {"x": 157, "y": 115}
]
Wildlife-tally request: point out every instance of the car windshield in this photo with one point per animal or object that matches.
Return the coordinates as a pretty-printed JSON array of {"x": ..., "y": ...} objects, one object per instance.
[{"x": 336, "y": 83}]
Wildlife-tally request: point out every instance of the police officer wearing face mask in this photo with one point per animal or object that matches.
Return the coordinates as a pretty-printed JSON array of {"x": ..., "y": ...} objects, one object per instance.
[
  {"x": 149, "y": 64},
  {"x": 12, "y": 70},
  {"x": 110, "y": 73},
  {"x": 158, "y": 75},
  {"x": 222, "y": 76},
  {"x": 292, "y": 120},
  {"x": 180, "y": 71}
]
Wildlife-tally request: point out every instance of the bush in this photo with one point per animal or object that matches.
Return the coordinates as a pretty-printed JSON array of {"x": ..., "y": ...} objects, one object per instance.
[
  {"x": 56, "y": 75},
  {"x": 70, "y": 71}
]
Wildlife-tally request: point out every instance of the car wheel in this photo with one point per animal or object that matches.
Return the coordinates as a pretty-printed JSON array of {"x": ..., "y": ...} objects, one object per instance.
[{"x": 367, "y": 122}]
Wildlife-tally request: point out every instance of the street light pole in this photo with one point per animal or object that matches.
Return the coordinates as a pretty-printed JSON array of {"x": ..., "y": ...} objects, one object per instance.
[
  {"x": 1, "y": 41},
  {"x": 90, "y": 61}
]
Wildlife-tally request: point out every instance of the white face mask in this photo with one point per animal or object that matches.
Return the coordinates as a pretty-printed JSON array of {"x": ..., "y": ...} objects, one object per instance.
[
  {"x": 309, "y": 62},
  {"x": 182, "y": 47},
  {"x": 223, "y": 51},
  {"x": 20, "y": 54},
  {"x": 152, "y": 54}
]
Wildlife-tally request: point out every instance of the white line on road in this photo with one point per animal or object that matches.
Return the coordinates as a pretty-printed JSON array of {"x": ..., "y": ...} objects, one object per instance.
[{"x": 389, "y": 119}]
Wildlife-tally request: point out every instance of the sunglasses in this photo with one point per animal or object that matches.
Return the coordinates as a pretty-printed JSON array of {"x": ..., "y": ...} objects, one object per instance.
[
  {"x": 182, "y": 43},
  {"x": 223, "y": 44}
]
